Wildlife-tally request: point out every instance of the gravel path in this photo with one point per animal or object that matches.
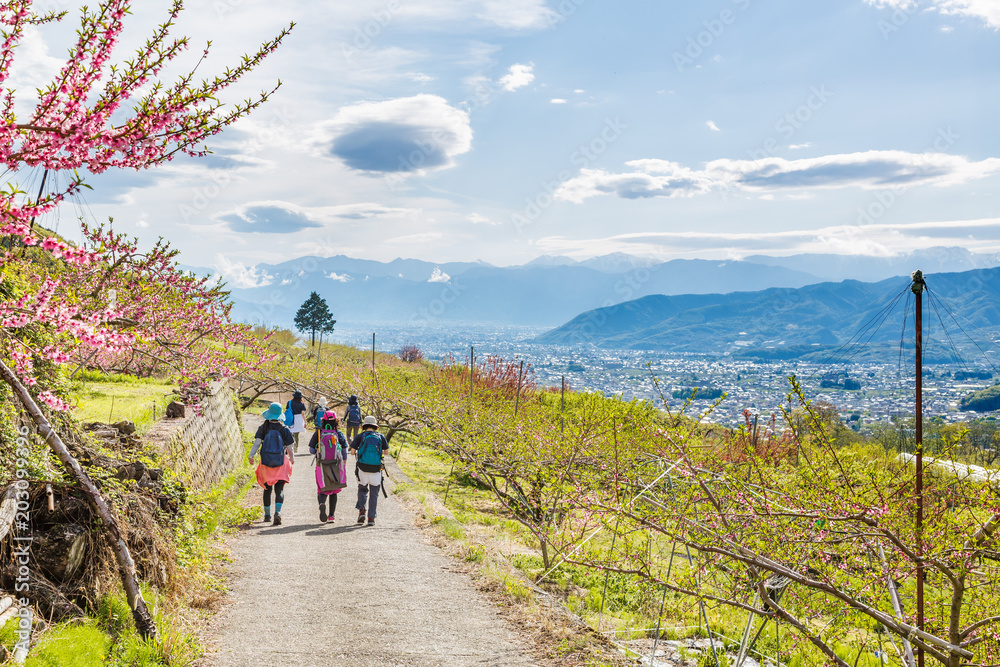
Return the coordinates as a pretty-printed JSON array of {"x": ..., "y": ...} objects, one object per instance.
[{"x": 306, "y": 594}]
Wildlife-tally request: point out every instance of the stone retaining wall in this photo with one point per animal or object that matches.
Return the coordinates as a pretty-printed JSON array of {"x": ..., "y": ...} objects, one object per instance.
[{"x": 203, "y": 448}]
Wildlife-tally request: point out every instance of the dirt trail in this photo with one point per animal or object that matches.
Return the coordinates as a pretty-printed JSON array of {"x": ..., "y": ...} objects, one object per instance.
[{"x": 306, "y": 594}]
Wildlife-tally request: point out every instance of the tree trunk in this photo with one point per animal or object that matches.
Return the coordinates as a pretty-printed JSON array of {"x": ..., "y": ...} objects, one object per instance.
[{"x": 144, "y": 622}]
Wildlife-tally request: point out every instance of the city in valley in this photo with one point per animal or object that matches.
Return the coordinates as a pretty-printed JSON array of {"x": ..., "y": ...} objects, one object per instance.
[{"x": 880, "y": 391}]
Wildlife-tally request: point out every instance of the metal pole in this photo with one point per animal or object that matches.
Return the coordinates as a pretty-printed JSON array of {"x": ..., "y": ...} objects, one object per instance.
[
  {"x": 607, "y": 574},
  {"x": 918, "y": 290},
  {"x": 656, "y": 641},
  {"x": 472, "y": 370},
  {"x": 320, "y": 350},
  {"x": 517, "y": 398},
  {"x": 562, "y": 408}
]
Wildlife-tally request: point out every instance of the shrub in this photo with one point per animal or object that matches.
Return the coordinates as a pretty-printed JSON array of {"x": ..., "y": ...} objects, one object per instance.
[{"x": 411, "y": 354}]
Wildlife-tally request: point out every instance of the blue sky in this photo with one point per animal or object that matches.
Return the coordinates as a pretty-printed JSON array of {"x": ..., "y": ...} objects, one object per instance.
[{"x": 505, "y": 129}]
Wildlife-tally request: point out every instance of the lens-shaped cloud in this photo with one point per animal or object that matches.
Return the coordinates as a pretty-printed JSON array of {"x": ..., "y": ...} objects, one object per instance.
[
  {"x": 868, "y": 170},
  {"x": 404, "y": 135},
  {"x": 268, "y": 218}
]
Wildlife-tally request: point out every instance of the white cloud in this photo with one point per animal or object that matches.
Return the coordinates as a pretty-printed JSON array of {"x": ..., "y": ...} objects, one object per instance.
[
  {"x": 518, "y": 76},
  {"x": 579, "y": 91},
  {"x": 868, "y": 170},
  {"x": 478, "y": 219},
  {"x": 518, "y": 14},
  {"x": 712, "y": 126},
  {"x": 880, "y": 240},
  {"x": 438, "y": 276},
  {"x": 339, "y": 277},
  {"x": 239, "y": 275},
  {"x": 404, "y": 135},
  {"x": 986, "y": 10},
  {"x": 798, "y": 147},
  {"x": 557, "y": 100},
  {"x": 142, "y": 223}
]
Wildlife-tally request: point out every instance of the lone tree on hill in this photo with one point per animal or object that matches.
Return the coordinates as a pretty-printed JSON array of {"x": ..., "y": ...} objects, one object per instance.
[{"x": 314, "y": 317}]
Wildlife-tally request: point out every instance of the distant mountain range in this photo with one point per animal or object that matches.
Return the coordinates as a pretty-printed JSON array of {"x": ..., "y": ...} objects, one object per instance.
[
  {"x": 544, "y": 292},
  {"x": 810, "y": 322}
]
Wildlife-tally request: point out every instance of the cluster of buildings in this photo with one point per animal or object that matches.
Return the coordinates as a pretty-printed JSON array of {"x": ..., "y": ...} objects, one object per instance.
[{"x": 862, "y": 393}]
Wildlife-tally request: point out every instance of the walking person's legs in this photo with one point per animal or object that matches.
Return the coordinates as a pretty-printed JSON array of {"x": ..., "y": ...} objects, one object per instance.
[
  {"x": 295, "y": 437},
  {"x": 372, "y": 503},
  {"x": 279, "y": 497},
  {"x": 333, "y": 506},
  {"x": 362, "y": 501},
  {"x": 267, "y": 502},
  {"x": 321, "y": 497}
]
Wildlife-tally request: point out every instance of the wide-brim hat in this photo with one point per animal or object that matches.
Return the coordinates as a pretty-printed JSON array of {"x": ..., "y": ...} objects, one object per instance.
[
  {"x": 369, "y": 421},
  {"x": 273, "y": 412},
  {"x": 322, "y": 401}
]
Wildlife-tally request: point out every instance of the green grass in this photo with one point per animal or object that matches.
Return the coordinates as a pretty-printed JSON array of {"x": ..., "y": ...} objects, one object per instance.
[
  {"x": 71, "y": 645},
  {"x": 113, "y": 398}
]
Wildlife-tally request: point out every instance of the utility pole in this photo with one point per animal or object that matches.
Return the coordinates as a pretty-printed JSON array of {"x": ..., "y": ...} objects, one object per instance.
[
  {"x": 562, "y": 407},
  {"x": 373, "y": 361},
  {"x": 472, "y": 370},
  {"x": 517, "y": 397},
  {"x": 918, "y": 289}
]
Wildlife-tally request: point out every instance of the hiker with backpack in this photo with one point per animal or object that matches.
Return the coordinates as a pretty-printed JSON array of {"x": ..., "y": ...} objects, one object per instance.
[
  {"x": 295, "y": 417},
  {"x": 275, "y": 442},
  {"x": 330, "y": 447},
  {"x": 352, "y": 417},
  {"x": 369, "y": 447},
  {"x": 317, "y": 413}
]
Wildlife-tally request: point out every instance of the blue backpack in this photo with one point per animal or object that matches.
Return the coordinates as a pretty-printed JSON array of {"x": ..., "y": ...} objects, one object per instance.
[
  {"x": 354, "y": 413},
  {"x": 272, "y": 452},
  {"x": 370, "y": 451}
]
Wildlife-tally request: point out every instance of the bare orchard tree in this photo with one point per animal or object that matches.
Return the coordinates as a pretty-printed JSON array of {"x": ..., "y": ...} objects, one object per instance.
[{"x": 835, "y": 527}]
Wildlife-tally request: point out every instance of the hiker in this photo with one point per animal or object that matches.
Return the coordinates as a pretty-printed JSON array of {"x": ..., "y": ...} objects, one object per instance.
[
  {"x": 318, "y": 411},
  {"x": 352, "y": 417},
  {"x": 274, "y": 441},
  {"x": 330, "y": 447},
  {"x": 298, "y": 410},
  {"x": 369, "y": 447}
]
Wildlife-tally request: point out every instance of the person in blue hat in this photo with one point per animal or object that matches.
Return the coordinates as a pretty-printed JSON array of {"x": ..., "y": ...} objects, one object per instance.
[{"x": 275, "y": 443}]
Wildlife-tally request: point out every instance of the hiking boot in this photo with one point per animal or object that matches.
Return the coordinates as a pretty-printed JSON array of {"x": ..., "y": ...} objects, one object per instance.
[
  {"x": 322, "y": 512},
  {"x": 371, "y": 522},
  {"x": 361, "y": 517},
  {"x": 267, "y": 517},
  {"x": 277, "y": 520}
]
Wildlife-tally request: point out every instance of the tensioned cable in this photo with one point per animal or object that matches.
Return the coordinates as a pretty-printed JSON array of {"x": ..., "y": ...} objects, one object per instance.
[
  {"x": 873, "y": 325},
  {"x": 947, "y": 334},
  {"x": 948, "y": 310}
]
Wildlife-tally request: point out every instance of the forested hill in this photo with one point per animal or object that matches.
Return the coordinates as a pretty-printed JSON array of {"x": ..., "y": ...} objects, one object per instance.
[{"x": 784, "y": 323}]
